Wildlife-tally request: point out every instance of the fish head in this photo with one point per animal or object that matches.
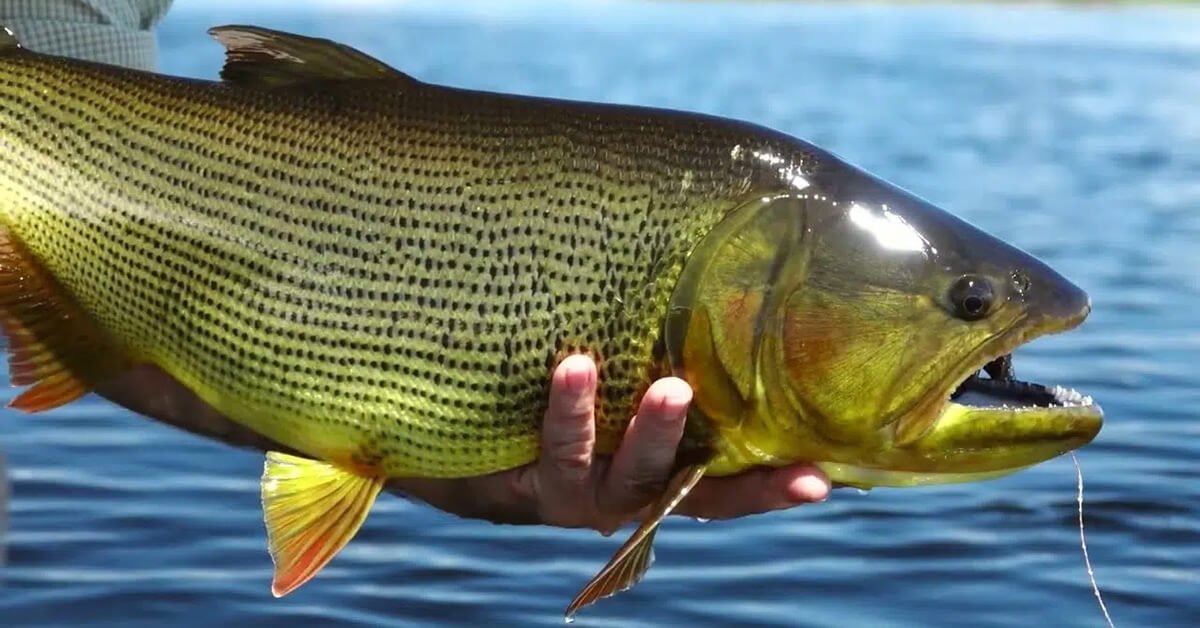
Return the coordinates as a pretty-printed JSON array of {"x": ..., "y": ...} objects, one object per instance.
[{"x": 851, "y": 324}]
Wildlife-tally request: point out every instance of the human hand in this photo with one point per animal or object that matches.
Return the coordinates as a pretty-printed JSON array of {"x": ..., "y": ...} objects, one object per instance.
[{"x": 568, "y": 486}]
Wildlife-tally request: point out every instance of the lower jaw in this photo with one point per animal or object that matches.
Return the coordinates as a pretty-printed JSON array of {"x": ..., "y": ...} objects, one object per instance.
[{"x": 866, "y": 477}]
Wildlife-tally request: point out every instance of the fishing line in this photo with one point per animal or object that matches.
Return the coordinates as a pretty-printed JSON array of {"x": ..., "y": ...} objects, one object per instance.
[{"x": 1087, "y": 561}]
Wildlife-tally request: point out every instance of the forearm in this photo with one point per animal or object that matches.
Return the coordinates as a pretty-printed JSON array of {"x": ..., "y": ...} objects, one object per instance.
[{"x": 119, "y": 32}]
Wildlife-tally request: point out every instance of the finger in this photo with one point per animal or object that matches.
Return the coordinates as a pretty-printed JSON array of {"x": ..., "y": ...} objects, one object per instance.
[
  {"x": 756, "y": 491},
  {"x": 643, "y": 462},
  {"x": 569, "y": 430}
]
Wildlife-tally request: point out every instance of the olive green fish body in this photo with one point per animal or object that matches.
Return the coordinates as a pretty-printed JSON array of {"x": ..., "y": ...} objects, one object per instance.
[
  {"x": 378, "y": 272},
  {"x": 381, "y": 273}
]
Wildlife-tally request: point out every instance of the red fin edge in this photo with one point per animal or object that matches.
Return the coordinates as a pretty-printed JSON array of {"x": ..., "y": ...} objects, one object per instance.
[
  {"x": 311, "y": 509},
  {"x": 54, "y": 347}
]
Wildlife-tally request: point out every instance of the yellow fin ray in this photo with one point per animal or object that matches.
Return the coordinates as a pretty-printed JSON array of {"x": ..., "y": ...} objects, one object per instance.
[
  {"x": 312, "y": 509},
  {"x": 54, "y": 346}
]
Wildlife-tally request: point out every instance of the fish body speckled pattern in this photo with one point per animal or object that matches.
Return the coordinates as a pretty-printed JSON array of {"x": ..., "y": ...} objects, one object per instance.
[{"x": 393, "y": 264}]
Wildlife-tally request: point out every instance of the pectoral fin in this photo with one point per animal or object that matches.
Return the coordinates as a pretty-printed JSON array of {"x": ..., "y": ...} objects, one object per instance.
[
  {"x": 312, "y": 509},
  {"x": 630, "y": 563}
]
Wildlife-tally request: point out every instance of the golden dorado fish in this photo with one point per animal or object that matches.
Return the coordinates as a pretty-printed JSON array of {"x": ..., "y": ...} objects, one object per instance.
[{"x": 380, "y": 273}]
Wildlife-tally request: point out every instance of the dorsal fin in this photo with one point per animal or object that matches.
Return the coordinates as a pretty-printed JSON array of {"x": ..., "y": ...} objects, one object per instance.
[
  {"x": 260, "y": 57},
  {"x": 8, "y": 41}
]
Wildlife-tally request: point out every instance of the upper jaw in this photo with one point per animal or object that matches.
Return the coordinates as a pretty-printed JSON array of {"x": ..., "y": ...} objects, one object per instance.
[{"x": 1021, "y": 331}]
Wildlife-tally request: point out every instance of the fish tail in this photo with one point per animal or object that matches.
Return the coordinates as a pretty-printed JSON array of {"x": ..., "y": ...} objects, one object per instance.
[{"x": 55, "y": 348}]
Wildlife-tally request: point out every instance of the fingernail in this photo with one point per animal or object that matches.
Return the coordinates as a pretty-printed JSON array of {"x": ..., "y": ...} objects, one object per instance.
[
  {"x": 811, "y": 489},
  {"x": 579, "y": 379},
  {"x": 678, "y": 396},
  {"x": 679, "y": 400}
]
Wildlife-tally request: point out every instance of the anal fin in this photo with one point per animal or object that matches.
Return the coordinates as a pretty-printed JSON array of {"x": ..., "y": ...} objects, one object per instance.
[
  {"x": 312, "y": 509},
  {"x": 54, "y": 346},
  {"x": 627, "y": 567}
]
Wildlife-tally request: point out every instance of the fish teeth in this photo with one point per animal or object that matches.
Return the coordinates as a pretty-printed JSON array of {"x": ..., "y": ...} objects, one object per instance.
[{"x": 1070, "y": 397}]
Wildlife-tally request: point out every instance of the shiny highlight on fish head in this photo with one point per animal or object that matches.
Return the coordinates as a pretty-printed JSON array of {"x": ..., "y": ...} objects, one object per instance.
[{"x": 834, "y": 323}]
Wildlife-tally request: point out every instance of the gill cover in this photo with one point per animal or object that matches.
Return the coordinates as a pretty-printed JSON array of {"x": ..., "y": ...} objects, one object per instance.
[{"x": 728, "y": 297}]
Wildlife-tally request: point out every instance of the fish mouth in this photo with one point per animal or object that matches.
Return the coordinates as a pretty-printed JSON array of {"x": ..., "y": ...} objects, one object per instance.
[
  {"x": 995, "y": 385},
  {"x": 989, "y": 381},
  {"x": 986, "y": 423},
  {"x": 986, "y": 387}
]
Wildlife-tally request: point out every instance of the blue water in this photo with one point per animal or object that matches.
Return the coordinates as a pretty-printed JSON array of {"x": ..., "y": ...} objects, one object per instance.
[{"x": 1073, "y": 133}]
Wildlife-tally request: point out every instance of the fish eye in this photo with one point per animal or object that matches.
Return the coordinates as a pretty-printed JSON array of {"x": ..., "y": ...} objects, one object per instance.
[{"x": 972, "y": 297}]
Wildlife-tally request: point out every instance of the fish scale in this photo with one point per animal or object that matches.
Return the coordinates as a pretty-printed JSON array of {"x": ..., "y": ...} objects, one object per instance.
[{"x": 363, "y": 272}]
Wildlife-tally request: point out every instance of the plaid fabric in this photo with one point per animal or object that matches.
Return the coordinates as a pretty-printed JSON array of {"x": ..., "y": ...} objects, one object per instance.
[{"x": 110, "y": 31}]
